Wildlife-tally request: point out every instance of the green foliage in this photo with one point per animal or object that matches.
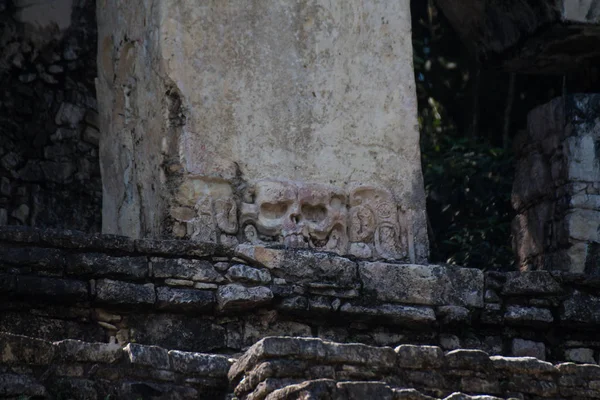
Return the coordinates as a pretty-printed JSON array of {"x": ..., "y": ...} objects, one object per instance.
[
  {"x": 468, "y": 186},
  {"x": 468, "y": 175}
]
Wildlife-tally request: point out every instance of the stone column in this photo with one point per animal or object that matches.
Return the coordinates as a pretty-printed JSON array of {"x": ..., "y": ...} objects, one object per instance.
[
  {"x": 270, "y": 122},
  {"x": 557, "y": 187}
]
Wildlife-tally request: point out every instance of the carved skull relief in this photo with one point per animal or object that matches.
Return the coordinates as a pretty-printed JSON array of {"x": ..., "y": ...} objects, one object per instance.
[{"x": 297, "y": 215}]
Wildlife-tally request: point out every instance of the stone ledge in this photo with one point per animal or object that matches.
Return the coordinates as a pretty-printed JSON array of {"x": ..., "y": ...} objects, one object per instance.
[
  {"x": 284, "y": 365},
  {"x": 278, "y": 367},
  {"x": 37, "y": 367}
]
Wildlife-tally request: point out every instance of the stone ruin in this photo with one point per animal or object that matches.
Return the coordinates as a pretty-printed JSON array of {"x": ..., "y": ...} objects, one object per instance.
[{"x": 263, "y": 211}]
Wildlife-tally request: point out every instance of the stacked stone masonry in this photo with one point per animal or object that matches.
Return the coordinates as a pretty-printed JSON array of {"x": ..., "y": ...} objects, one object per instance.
[
  {"x": 281, "y": 368},
  {"x": 294, "y": 368},
  {"x": 49, "y": 167},
  {"x": 556, "y": 192},
  {"x": 188, "y": 296},
  {"x": 82, "y": 370}
]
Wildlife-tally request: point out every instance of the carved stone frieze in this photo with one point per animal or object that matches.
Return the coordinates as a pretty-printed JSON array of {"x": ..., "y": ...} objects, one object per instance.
[
  {"x": 359, "y": 220},
  {"x": 362, "y": 221}
]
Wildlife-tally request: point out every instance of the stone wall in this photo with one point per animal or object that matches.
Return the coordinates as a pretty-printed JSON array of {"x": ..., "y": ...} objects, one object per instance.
[
  {"x": 209, "y": 298},
  {"x": 102, "y": 314},
  {"x": 49, "y": 169},
  {"x": 556, "y": 191}
]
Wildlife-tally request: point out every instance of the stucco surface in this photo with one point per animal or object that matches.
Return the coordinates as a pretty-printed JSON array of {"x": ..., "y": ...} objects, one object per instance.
[{"x": 201, "y": 101}]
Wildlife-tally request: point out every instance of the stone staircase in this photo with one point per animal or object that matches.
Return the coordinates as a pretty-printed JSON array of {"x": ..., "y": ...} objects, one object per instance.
[{"x": 100, "y": 316}]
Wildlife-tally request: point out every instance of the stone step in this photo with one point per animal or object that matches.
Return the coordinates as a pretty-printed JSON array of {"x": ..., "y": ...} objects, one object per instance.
[
  {"x": 282, "y": 368},
  {"x": 35, "y": 367}
]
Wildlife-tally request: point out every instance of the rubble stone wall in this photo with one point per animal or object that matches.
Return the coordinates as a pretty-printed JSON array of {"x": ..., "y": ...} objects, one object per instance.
[
  {"x": 209, "y": 298},
  {"x": 556, "y": 192},
  {"x": 49, "y": 168}
]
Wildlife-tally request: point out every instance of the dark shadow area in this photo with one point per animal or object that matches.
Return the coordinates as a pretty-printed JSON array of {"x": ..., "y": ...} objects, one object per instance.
[
  {"x": 49, "y": 167},
  {"x": 468, "y": 117}
]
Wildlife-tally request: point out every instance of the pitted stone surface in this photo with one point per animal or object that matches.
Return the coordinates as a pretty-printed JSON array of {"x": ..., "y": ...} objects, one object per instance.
[
  {"x": 150, "y": 356},
  {"x": 428, "y": 285},
  {"x": 76, "y": 350},
  {"x": 238, "y": 297}
]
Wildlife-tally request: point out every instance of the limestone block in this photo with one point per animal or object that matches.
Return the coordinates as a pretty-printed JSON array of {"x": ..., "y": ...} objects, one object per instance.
[
  {"x": 148, "y": 356},
  {"x": 581, "y": 158},
  {"x": 99, "y": 265},
  {"x": 184, "y": 299},
  {"x": 238, "y": 297},
  {"x": 397, "y": 314},
  {"x": 529, "y": 316},
  {"x": 275, "y": 126},
  {"x": 531, "y": 283},
  {"x": 196, "y": 270},
  {"x": 580, "y": 355},
  {"x": 117, "y": 292},
  {"x": 582, "y": 225},
  {"x": 453, "y": 315},
  {"x": 472, "y": 360},
  {"x": 586, "y": 372},
  {"x": 581, "y": 307},
  {"x": 528, "y": 348},
  {"x": 522, "y": 365},
  {"x": 244, "y": 273},
  {"x": 199, "y": 364},
  {"x": 419, "y": 357},
  {"x": 78, "y": 351},
  {"x": 423, "y": 284}
]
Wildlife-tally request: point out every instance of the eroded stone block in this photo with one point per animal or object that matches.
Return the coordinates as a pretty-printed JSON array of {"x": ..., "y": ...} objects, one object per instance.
[
  {"x": 147, "y": 356},
  {"x": 239, "y": 297},
  {"x": 423, "y": 284},
  {"x": 117, "y": 292}
]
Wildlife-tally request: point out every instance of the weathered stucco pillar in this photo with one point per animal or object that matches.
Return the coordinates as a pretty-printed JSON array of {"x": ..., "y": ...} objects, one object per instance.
[
  {"x": 277, "y": 122},
  {"x": 557, "y": 187}
]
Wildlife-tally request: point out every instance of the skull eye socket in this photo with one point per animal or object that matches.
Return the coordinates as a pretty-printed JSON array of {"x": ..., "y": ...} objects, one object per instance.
[
  {"x": 273, "y": 210},
  {"x": 314, "y": 213}
]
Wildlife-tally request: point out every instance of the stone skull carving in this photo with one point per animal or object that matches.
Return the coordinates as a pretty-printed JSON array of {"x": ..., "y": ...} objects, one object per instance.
[{"x": 297, "y": 215}]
